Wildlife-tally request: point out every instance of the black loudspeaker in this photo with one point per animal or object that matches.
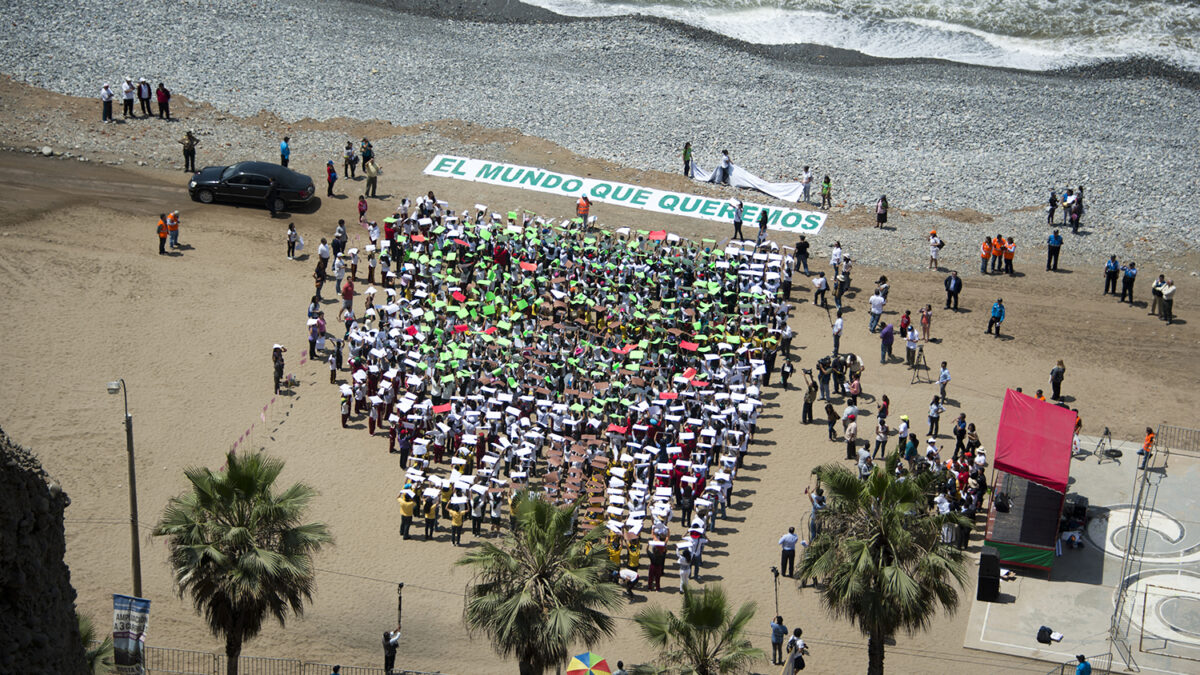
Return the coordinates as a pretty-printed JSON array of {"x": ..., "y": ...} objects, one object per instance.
[
  {"x": 989, "y": 589},
  {"x": 989, "y": 562}
]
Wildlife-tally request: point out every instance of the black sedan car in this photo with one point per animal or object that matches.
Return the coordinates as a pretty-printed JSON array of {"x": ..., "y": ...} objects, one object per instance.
[{"x": 248, "y": 183}]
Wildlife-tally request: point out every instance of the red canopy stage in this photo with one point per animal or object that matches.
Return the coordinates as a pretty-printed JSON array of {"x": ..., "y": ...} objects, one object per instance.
[{"x": 1032, "y": 464}]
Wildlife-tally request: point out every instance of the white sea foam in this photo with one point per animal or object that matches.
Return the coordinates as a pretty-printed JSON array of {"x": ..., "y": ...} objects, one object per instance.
[{"x": 1025, "y": 34}]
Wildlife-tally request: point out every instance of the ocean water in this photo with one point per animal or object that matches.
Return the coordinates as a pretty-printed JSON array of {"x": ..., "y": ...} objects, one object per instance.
[{"x": 1025, "y": 34}]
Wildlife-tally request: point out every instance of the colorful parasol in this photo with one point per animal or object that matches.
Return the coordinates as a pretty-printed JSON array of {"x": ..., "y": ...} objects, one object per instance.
[{"x": 588, "y": 664}]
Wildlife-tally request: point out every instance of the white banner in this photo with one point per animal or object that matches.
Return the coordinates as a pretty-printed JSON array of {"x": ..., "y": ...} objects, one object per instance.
[
  {"x": 621, "y": 194},
  {"x": 741, "y": 178}
]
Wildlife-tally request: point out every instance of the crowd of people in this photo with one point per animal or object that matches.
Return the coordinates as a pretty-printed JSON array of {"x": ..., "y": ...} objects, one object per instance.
[{"x": 504, "y": 353}]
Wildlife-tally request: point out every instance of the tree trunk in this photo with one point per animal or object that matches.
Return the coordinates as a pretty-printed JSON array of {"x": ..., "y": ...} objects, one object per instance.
[
  {"x": 233, "y": 653},
  {"x": 874, "y": 653},
  {"x": 527, "y": 668}
]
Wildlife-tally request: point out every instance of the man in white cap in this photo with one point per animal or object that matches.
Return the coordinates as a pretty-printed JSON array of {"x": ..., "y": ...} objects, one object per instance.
[
  {"x": 106, "y": 99},
  {"x": 143, "y": 94},
  {"x": 127, "y": 90}
]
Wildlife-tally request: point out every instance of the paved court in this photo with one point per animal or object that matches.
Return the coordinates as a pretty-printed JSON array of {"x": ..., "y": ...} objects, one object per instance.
[{"x": 1078, "y": 596}]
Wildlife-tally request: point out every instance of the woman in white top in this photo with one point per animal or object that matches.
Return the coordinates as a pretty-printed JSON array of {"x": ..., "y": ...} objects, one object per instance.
[
  {"x": 835, "y": 258},
  {"x": 935, "y": 246}
]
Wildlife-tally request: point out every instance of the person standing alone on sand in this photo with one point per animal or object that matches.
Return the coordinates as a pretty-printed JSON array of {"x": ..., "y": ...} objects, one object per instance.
[
  {"x": 953, "y": 286},
  {"x": 292, "y": 237},
  {"x": 1057, "y": 373},
  {"x": 285, "y": 151},
  {"x": 1053, "y": 246},
  {"x": 687, "y": 159},
  {"x": 330, "y": 177},
  {"x": 881, "y": 209},
  {"x": 737, "y": 220},
  {"x": 787, "y": 555},
  {"x": 189, "y": 143},
  {"x": 997, "y": 316},
  {"x": 826, "y": 193},
  {"x": 277, "y": 363},
  {"x": 371, "y": 169}
]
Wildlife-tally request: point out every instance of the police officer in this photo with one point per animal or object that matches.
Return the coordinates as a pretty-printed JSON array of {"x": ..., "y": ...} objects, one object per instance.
[{"x": 1053, "y": 246}]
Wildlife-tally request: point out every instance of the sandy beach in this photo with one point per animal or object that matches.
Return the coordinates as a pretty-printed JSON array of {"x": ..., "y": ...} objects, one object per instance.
[
  {"x": 91, "y": 301},
  {"x": 191, "y": 335}
]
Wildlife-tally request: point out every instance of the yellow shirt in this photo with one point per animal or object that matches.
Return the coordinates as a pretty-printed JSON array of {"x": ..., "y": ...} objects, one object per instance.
[
  {"x": 406, "y": 506},
  {"x": 456, "y": 517}
]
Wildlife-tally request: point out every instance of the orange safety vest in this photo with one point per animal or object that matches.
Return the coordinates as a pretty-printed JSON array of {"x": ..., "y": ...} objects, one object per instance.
[
  {"x": 581, "y": 209},
  {"x": 997, "y": 246},
  {"x": 172, "y": 224},
  {"x": 1010, "y": 250},
  {"x": 162, "y": 229},
  {"x": 985, "y": 250},
  {"x": 1148, "y": 443}
]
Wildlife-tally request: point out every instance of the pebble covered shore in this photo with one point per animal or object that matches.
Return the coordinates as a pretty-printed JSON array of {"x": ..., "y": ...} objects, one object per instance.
[{"x": 935, "y": 137}]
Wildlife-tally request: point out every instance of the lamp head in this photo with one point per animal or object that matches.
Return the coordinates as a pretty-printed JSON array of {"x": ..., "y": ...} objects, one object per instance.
[{"x": 114, "y": 387}]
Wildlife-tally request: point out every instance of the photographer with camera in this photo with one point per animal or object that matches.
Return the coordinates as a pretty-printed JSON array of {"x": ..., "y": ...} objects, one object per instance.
[
  {"x": 810, "y": 396},
  {"x": 824, "y": 372}
]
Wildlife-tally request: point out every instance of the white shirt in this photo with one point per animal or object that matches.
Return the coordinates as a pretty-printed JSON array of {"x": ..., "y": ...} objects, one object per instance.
[
  {"x": 725, "y": 161},
  {"x": 106, "y": 94},
  {"x": 806, "y": 177},
  {"x": 837, "y": 326},
  {"x": 127, "y": 90},
  {"x": 944, "y": 376},
  {"x": 910, "y": 341},
  {"x": 877, "y": 303},
  {"x": 788, "y": 541},
  {"x": 323, "y": 251},
  {"x": 902, "y": 431},
  {"x": 836, "y": 257}
]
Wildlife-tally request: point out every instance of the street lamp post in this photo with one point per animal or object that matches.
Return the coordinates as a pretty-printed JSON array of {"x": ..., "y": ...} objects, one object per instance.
[{"x": 135, "y": 545}]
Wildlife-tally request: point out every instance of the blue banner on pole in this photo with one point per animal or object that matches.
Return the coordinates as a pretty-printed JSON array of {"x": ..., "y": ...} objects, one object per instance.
[{"x": 130, "y": 617}]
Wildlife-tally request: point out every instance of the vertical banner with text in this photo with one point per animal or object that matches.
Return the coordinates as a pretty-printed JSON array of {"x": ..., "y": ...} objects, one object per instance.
[{"x": 130, "y": 617}]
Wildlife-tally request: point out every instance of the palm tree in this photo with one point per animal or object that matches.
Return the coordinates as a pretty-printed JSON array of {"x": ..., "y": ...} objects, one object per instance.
[
  {"x": 239, "y": 549},
  {"x": 97, "y": 652},
  {"x": 880, "y": 549},
  {"x": 544, "y": 588},
  {"x": 705, "y": 639}
]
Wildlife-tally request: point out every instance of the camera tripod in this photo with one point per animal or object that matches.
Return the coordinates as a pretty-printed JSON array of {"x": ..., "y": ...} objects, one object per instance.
[
  {"x": 918, "y": 365},
  {"x": 1105, "y": 450}
]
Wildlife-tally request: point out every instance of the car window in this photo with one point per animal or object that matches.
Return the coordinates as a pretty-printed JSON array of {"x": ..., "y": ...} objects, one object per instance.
[
  {"x": 257, "y": 180},
  {"x": 237, "y": 180},
  {"x": 227, "y": 174}
]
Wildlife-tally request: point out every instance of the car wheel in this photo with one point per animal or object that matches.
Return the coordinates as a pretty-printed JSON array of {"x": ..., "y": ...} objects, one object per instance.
[
  {"x": 280, "y": 205},
  {"x": 205, "y": 196}
]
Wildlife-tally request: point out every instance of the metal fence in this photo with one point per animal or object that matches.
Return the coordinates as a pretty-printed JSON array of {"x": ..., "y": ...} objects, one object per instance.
[
  {"x": 1101, "y": 664},
  {"x": 168, "y": 660},
  {"x": 1161, "y": 645},
  {"x": 1171, "y": 440}
]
